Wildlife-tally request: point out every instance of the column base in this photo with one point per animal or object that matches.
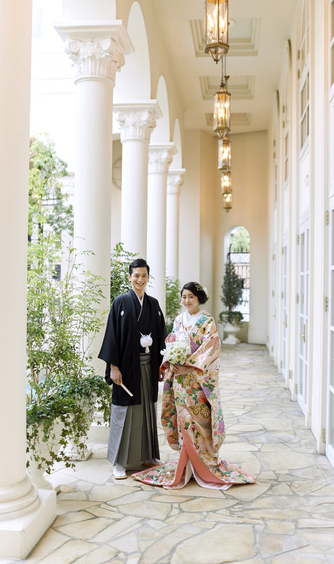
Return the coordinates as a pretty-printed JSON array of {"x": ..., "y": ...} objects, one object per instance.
[
  {"x": 98, "y": 433},
  {"x": 19, "y": 536}
]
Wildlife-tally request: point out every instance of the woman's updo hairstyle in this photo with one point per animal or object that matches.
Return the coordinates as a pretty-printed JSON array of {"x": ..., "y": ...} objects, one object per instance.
[{"x": 198, "y": 291}]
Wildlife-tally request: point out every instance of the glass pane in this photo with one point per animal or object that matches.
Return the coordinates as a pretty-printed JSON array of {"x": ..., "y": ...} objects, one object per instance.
[
  {"x": 301, "y": 387},
  {"x": 305, "y": 384},
  {"x": 302, "y": 101},
  {"x": 301, "y": 339},
  {"x": 332, "y": 300},
  {"x": 306, "y": 295},
  {"x": 303, "y": 131},
  {"x": 306, "y": 339},
  {"x": 332, "y": 227},
  {"x": 302, "y": 251},
  {"x": 331, "y": 359},
  {"x": 331, "y": 439},
  {"x": 307, "y": 88},
  {"x": 307, "y": 248}
]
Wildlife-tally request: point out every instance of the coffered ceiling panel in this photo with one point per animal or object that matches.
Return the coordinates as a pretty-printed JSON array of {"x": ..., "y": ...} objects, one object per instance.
[
  {"x": 243, "y": 37},
  {"x": 240, "y": 87},
  {"x": 257, "y": 38}
]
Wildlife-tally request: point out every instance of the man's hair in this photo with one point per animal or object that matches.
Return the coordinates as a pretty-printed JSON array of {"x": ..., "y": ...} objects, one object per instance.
[{"x": 139, "y": 263}]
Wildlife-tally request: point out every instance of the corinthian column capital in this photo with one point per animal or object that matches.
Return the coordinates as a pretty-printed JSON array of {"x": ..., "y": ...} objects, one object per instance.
[
  {"x": 137, "y": 119},
  {"x": 96, "y": 50},
  {"x": 160, "y": 157},
  {"x": 175, "y": 181}
]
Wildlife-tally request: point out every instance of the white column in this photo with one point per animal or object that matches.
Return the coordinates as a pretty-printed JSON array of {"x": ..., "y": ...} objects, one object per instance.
[
  {"x": 24, "y": 515},
  {"x": 136, "y": 121},
  {"x": 97, "y": 52},
  {"x": 174, "y": 183},
  {"x": 160, "y": 157}
]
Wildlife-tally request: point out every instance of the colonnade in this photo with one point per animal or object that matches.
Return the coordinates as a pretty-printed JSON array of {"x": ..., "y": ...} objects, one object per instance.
[{"x": 97, "y": 52}]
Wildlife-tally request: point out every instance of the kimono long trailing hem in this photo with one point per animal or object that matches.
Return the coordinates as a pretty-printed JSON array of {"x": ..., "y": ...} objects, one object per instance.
[{"x": 192, "y": 416}]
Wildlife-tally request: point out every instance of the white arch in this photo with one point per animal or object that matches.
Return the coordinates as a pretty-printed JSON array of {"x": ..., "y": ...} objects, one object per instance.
[
  {"x": 177, "y": 158},
  {"x": 161, "y": 134},
  {"x": 134, "y": 81},
  {"x": 227, "y": 239}
]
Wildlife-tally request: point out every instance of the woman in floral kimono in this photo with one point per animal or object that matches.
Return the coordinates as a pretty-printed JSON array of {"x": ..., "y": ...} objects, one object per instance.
[{"x": 191, "y": 412}]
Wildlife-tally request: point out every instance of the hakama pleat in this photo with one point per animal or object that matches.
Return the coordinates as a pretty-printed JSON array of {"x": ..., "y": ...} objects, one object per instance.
[{"x": 133, "y": 437}]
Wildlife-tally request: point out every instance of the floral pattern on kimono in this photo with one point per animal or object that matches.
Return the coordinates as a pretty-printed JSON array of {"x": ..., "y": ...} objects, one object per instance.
[{"x": 191, "y": 411}]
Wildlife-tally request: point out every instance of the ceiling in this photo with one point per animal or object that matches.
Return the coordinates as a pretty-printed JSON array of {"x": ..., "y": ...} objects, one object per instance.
[{"x": 254, "y": 62}]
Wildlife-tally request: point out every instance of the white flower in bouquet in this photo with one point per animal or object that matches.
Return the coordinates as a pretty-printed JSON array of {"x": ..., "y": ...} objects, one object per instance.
[{"x": 177, "y": 353}]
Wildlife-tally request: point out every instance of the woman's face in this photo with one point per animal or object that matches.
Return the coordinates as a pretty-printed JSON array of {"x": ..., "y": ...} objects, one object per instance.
[{"x": 190, "y": 301}]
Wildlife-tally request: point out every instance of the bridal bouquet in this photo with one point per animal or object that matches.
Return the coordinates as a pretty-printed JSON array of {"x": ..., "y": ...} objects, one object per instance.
[{"x": 177, "y": 353}]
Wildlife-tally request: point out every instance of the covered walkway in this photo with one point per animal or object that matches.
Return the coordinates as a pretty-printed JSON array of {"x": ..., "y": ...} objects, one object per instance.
[{"x": 286, "y": 518}]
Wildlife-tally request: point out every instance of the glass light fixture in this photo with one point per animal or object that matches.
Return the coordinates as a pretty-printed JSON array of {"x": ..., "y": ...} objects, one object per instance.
[
  {"x": 224, "y": 153},
  {"x": 227, "y": 200},
  {"x": 222, "y": 106},
  {"x": 226, "y": 181},
  {"x": 216, "y": 28}
]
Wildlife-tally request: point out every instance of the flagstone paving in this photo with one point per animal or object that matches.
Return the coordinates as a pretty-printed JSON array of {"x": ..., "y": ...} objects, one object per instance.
[{"x": 287, "y": 517}]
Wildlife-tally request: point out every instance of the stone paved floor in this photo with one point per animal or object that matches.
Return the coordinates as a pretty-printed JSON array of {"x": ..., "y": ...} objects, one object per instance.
[{"x": 286, "y": 518}]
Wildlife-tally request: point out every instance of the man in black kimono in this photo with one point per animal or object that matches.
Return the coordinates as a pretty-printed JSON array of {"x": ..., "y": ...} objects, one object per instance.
[{"x": 135, "y": 335}]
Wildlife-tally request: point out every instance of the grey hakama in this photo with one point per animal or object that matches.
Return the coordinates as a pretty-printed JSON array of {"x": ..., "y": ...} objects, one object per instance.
[{"x": 133, "y": 436}]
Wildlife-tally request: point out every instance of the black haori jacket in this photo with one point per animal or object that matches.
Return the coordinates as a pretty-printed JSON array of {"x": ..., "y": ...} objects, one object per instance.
[{"x": 121, "y": 344}]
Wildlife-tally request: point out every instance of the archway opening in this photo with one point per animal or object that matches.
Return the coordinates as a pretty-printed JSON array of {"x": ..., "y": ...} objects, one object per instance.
[
  {"x": 177, "y": 158},
  {"x": 239, "y": 254},
  {"x": 134, "y": 82},
  {"x": 161, "y": 133}
]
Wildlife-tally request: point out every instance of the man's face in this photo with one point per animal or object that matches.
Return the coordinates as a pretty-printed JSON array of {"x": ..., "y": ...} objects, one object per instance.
[{"x": 139, "y": 279}]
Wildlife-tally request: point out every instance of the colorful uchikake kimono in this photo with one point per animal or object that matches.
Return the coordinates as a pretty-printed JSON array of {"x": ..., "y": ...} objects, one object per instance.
[{"x": 191, "y": 415}]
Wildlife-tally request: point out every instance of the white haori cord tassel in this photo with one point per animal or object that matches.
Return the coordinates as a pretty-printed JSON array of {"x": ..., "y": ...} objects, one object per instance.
[{"x": 146, "y": 341}]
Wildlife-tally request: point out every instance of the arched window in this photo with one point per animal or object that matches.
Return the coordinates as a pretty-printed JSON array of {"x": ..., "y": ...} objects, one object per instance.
[{"x": 239, "y": 253}]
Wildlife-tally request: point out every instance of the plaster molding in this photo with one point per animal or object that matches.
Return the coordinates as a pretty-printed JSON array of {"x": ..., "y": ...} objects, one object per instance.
[
  {"x": 95, "y": 59},
  {"x": 137, "y": 120},
  {"x": 96, "y": 50},
  {"x": 160, "y": 157},
  {"x": 174, "y": 181}
]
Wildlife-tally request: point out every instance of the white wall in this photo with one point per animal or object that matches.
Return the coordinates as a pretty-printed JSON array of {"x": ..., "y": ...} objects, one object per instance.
[
  {"x": 189, "y": 263},
  {"x": 249, "y": 184}
]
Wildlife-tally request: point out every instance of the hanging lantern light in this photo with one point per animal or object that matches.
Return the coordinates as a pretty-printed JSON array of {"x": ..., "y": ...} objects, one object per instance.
[
  {"x": 222, "y": 107},
  {"x": 222, "y": 112},
  {"x": 224, "y": 153},
  {"x": 227, "y": 200},
  {"x": 226, "y": 181},
  {"x": 216, "y": 28}
]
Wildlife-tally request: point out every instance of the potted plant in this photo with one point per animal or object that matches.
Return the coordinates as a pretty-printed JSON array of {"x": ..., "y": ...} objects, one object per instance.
[
  {"x": 63, "y": 315},
  {"x": 63, "y": 390},
  {"x": 231, "y": 319}
]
